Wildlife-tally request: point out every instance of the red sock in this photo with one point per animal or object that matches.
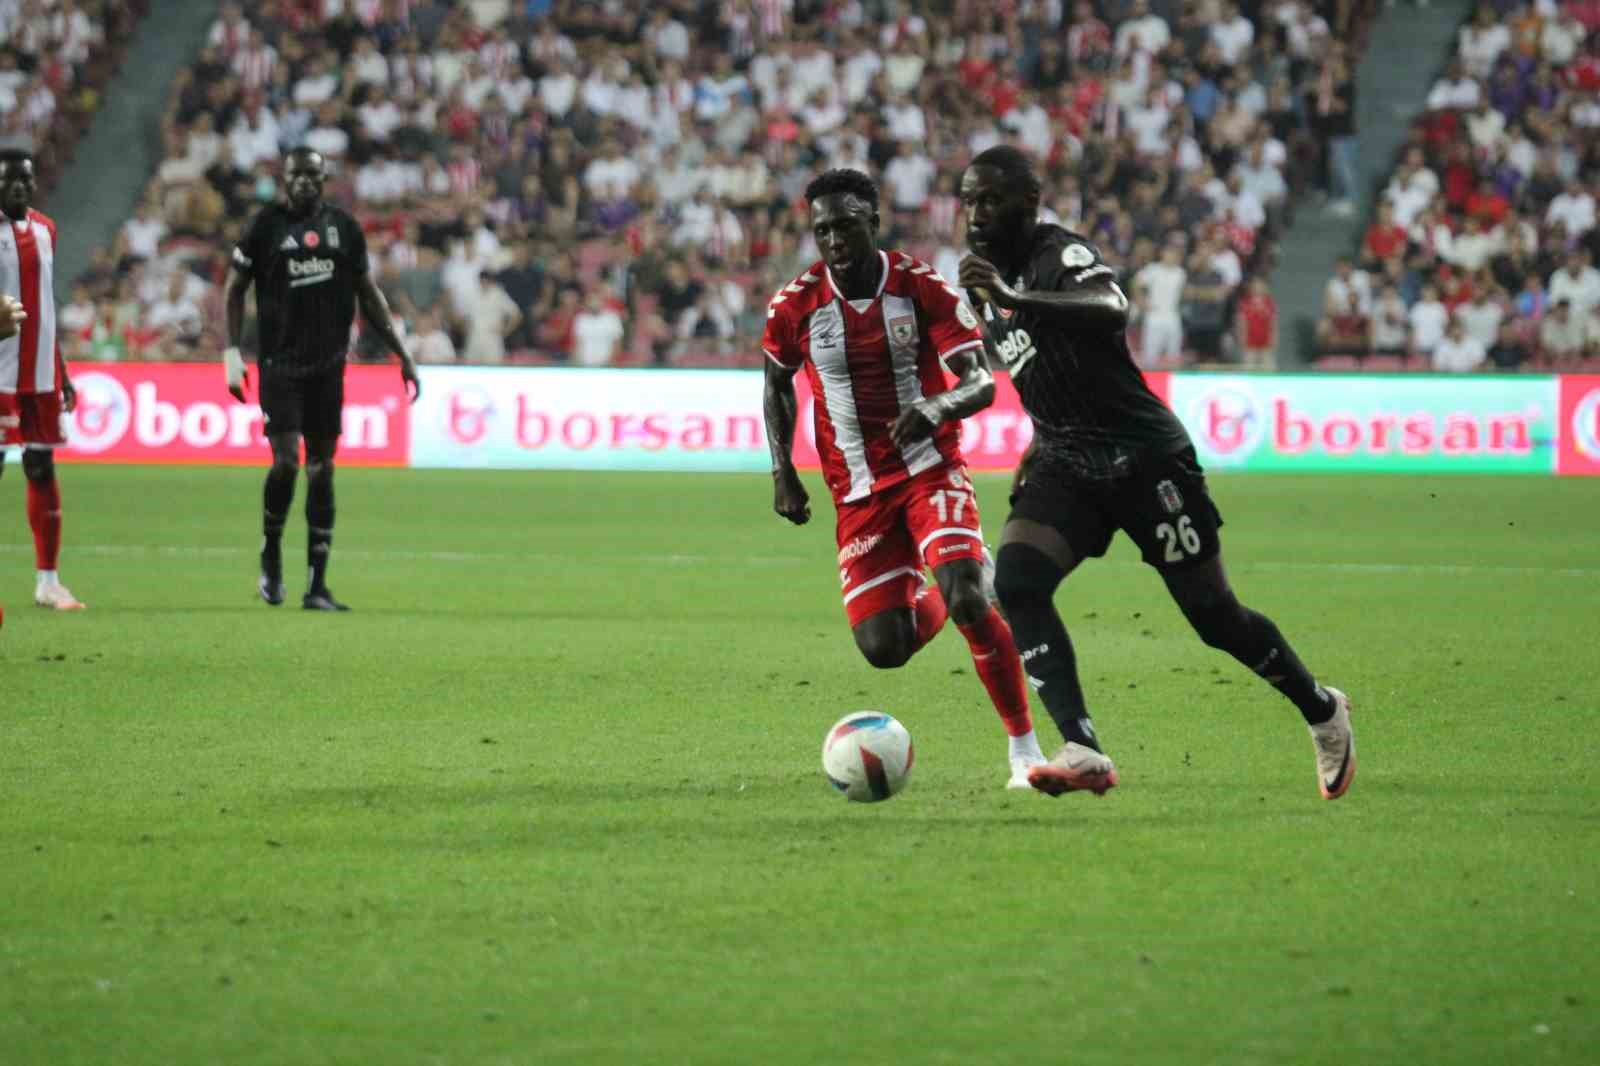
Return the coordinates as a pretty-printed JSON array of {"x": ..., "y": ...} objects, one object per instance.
[
  {"x": 44, "y": 515},
  {"x": 994, "y": 654},
  {"x": 930, "y": 613}
]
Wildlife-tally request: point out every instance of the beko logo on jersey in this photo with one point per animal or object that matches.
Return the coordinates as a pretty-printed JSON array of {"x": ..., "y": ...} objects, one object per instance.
[
  {"x": 310, "y": 271},
  {"x": 1016, "y": 350}
]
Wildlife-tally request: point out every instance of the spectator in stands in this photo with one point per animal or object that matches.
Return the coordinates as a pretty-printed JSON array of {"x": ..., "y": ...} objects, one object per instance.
[
  {"x": 429, "y": 343},
  {"x": 1391, "y": 326},
  {"x": 1205, "y": 309},
  {"x": 1482, "y": 41},
  {"x": 491, "y": 316},
  {"x": 1347, "y": 281},
  {"x": 1158, "y": 292},
  {"x": 1457, "y": 352},
  {"x": 1455, "y": 91},
  {"x": 597, "y": 332},
  {"x": 1562, "y": 336},
  {"x": 1574, "y": 209},
  {"x": 1480, "y": 318},
  {"x": 1331, "y": 107},
  {"x": 1577, "y": 283},
  {"x": 177, "y": 318},
  {"x": 1428, "y": 318},
  {"x": 1509, "y": 351},
  {"x": 1256, "y": 325},
  {"x": 1345, "y": 329},
  {"x": 1385, "y": 238}
]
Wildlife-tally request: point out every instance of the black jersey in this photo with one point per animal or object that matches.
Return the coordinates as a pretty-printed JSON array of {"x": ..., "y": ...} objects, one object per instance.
[
  {"x": 305, "y": 271},
  {"x": 1092, "y": 411}
]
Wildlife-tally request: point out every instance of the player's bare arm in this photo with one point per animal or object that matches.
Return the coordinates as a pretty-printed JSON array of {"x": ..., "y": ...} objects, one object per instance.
[
  {"x": 781, "y": 407},
  {"x": 973, "y": 391},
  {"x": 1097, "y": 301},
  {"x": 232, "y": 361},
  {"x": 375, "y": 309},
  {"x": 12, "y": 315}
]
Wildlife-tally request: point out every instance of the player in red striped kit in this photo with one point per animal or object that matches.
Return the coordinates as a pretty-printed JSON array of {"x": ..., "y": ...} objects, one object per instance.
[
  {"x": 34, "y": 388},
  {"x": 871, "y": 330}
]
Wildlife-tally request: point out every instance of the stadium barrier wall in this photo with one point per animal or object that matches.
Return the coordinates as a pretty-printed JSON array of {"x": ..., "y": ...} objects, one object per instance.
[{"x": 710, "y": 420}]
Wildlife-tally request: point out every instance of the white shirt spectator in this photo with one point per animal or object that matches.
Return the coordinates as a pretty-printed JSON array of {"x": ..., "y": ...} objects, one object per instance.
[
  {"x": 1163, "y": 287},
  {"x": 859, "y": 70},
  {"x": 1233, "y": 37},
  {"x": 433, "y": 346},
  {"x": 380, "y": 117},
  {"x": 1486, "y": 128},
  {"x": 1247, "y": 209},
  {"x": 316, "y": 89},
  {"x": 714, "y": 96},
  {"x": 1471, "y": 250},
  {"x": 1265, "y": 182},
  {"x": 143, "y": 235},
  {"x": 557, "y": 91},
  {"x": 905, "y": 120},
  {"x": 368, "y": 66},
  {"x": 1480, "y": 321},
  {"x": 1560, "y": 39},
  {"x": 1429, "y": 320},
  {"x": 1481, "y": 46},
  {"x": 179, "y": 315},
  {"x": 489, "y": 317},
  {"x": 1338, "y": 291},
  {"x": 1150, "y": 32},
  {"x": 595, "y": 336},
  {"x": 1576, "y": 212},
  {"x": 671, "y": 40},
  {"x": 903, "y": 70},
  {"x": 1031, "y": 124},
  {"x": 1149, "y": 126},
  {"x": 1390, "y": 326},
  {"x": 1462, "y": 94},
  {"x": 1408, "y": 202},
  {"x": 515, "y": 93},
  {"x": 1582, "y": 291},
  {"x": 1458, "y": 355},
  {"x": 910, "y": 179},
  {"x": 331, "y": 141},
  {"x": 1225, "y": 261}
]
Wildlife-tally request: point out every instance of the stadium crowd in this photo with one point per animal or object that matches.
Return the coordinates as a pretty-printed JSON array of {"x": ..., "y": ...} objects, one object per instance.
[
  {"x": 599, "y": 183},
  {"x": 54, "y": 57},
  {"x": 1482, "y": 251}
]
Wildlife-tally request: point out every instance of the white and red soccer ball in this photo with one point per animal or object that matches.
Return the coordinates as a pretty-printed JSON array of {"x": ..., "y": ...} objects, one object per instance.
[{"x": 867, "y": 756}]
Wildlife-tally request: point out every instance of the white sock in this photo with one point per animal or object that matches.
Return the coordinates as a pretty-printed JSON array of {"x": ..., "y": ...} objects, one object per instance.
[
  {"x": 1026, "y": 745},
  {"x": 48, "y": 579}
]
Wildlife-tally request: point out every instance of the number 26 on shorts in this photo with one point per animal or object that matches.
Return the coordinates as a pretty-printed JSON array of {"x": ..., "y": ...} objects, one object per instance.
[{"x": 1180, "y": 541}]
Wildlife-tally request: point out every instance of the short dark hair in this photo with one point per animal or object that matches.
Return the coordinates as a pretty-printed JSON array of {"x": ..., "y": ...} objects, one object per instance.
[
  {"x": 842, "y": 180},
  {"x": 1013, "y": 164},
  {"x": 15, "y": 155}
]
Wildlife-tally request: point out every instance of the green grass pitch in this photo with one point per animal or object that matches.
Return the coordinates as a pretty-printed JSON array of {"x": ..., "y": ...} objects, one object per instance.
[{"x": 551, "y": 794}]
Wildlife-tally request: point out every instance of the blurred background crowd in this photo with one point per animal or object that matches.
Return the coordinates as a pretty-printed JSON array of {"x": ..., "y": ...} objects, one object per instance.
[{"x": 599, "y": 182}]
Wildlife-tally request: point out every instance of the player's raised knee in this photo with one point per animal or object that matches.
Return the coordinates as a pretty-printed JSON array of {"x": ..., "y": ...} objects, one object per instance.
[{"x": 884, "y": 647}]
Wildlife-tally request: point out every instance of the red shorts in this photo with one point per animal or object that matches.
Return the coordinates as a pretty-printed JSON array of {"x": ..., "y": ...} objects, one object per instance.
[
  {"x": 887, "y": 538},
  {"x": 31, "y": 418}
]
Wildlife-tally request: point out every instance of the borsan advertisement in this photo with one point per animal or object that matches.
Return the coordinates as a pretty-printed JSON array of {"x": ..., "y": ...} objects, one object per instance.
[
  {"x": 182, "y": 413},
  {"x": 1379, "y": 423},
  {"x": 1580, "y": 425}
]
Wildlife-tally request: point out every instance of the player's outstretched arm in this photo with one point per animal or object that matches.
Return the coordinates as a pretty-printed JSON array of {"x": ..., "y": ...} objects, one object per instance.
[
  {"x": 781, "y": 408},
  {"x": 375, "y": 309},
  {"x": 11, "y": 316},
  {"x": 233, "y": 367},
  {"x": 1092, "y": 297},
  {"x": 973, "y": 391}
]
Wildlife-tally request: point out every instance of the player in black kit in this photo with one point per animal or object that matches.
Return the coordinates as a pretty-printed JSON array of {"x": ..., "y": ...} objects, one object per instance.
[
  {"x": 1106, "y": 455},
  {"x": 308, "y": 261}
]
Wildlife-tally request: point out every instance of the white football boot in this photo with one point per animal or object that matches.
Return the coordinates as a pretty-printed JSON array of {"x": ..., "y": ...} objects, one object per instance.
[
  {"x": 1336, "y": 748},
  {"x": 1075, "y": 768},
  {"x": 56, "y": 596}
]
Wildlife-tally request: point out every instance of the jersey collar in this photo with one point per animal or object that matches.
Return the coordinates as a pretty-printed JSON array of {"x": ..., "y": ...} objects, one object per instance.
[{"x": 883, "y": 278}]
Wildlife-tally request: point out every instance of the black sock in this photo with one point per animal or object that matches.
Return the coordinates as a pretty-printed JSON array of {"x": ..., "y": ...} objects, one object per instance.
[
  {"x": 319, "y": 529},
  {"x": 1026, "y": 580},
  {"x": 1253, "y": 639},
  {"x": 276, "y": 497}
]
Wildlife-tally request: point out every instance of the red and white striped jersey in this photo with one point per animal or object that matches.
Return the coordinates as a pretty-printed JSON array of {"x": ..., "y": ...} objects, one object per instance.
[
  {"x": 867, "y": 361},
  {"x": 27, "y": 271}
]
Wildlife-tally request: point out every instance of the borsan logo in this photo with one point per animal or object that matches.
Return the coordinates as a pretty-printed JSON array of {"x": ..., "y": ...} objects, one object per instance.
[
  {"x": 103, "y": 413},
  {"x": 467, "y": 414},
  {"x": 1586, "y": 425},
  {"x": 1229, "y": 422}
]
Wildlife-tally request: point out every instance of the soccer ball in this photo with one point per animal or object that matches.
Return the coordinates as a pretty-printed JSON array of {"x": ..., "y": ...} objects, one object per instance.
[{"x": 867, "y": 756}]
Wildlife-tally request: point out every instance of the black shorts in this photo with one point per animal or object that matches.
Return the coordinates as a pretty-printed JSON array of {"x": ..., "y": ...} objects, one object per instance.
[
  {"x": 1163, "y": 505},
  {"x": 311, "y": 406}
]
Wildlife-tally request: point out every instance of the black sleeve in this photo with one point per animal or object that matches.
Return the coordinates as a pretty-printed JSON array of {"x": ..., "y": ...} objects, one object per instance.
[
  {"x": 249, "y": 252},
  {"x": 359, "y": 264},
  {"x": 1066, "y": 261}
]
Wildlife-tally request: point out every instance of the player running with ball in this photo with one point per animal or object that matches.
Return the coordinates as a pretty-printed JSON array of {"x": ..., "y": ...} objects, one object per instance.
[
  {"x": 871, "y": 329},
  {"x": 1107, "y": 454}
]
